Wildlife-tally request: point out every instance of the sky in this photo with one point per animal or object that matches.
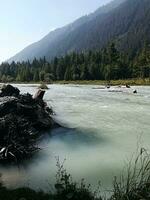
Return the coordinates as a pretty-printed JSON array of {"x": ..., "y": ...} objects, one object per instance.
[{"x": 23, "y": 22}]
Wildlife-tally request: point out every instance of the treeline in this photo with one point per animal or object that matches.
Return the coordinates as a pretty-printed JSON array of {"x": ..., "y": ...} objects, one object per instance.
[{"x": 107, "y": 64}]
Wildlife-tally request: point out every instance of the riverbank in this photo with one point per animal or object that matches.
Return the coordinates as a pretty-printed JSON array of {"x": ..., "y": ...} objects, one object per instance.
[
  {"x": 132, "y": 82},
  {"x": 23, "y": 120}
]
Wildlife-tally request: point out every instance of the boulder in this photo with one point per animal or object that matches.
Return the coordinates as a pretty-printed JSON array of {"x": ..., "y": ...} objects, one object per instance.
[
  {"x": 9, "y": 90},
  {"x": 135, "y": 92}
]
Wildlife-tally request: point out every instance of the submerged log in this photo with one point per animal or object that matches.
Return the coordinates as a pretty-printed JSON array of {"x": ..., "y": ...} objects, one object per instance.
[{"x": 22, "y": 120}]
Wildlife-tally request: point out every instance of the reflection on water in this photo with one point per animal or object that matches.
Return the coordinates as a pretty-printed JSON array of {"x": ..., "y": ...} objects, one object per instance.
[
  {"x": 102, "y": 130},
  {"x": 76, "y": 138}
]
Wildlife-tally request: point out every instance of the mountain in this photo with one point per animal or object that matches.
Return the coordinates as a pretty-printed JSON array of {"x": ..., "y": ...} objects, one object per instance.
[{"x": 125, "y": 21}]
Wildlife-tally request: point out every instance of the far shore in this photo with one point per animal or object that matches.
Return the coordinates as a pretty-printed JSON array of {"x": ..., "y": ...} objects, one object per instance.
[
  {"x": 130, "y": 82},
  {"x": 142, "y": 82}
]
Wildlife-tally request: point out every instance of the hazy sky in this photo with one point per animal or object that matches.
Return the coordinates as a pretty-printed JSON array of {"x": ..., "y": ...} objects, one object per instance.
[{"x": 23, "y": 22}]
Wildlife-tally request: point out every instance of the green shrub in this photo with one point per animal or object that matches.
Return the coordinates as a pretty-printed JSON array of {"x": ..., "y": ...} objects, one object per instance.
[
  {"x": 43, "y": 86},
  {"x": 134, "y": 184}
]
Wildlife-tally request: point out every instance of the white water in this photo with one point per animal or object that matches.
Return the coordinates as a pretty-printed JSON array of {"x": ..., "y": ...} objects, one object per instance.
[{"x": 105, "y": 127}]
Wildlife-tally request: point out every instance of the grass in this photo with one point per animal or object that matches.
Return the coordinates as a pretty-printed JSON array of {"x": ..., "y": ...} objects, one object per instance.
[
  {"x": 133, "y": 184},
  {"x": 96, "y": 82},
  {"x": 23, "y": 194},
  {"x": 112, "y": 82}
]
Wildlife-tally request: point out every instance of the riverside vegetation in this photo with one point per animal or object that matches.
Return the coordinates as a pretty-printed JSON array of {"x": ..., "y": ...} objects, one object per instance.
[
  {"x": 135, "y": 185},
  {"x": 105, "y": 65}
]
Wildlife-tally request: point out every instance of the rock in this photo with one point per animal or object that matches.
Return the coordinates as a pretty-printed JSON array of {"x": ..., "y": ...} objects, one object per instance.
[
  {"x": 9, "y": 90},
  {"x": 135, "y": 92},
  {"x": 22, "y": 120},
  {"x": 128, "y": 86}
]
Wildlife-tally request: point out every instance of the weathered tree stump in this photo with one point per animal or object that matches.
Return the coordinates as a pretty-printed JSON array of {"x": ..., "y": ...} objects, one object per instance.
[{"x": 39, "y": 94}]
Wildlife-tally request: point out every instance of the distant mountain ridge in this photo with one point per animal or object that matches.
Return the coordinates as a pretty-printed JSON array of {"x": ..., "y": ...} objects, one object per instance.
[{"x": 125, "y": 21}]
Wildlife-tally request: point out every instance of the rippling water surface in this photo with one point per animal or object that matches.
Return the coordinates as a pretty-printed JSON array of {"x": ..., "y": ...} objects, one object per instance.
[{"x": 102, "y": 129}]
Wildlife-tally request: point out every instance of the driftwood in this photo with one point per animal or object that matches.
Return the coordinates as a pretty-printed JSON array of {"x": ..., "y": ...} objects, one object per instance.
[
  {"x": 128, "y": 86},
  {"x": 22, "y": 120},
  {"x": 39, "y": 94}
]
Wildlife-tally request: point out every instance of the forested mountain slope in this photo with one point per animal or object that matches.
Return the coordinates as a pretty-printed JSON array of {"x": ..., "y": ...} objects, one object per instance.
[{"x": 84, "y": 33}]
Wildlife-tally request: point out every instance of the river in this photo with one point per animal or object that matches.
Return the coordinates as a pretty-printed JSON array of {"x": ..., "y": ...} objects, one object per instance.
[{"x": 102, "y": 130}]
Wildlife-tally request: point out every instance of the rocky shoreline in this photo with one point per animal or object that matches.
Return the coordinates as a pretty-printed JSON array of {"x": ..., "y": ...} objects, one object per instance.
[{"x": 23, "y": 118}]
